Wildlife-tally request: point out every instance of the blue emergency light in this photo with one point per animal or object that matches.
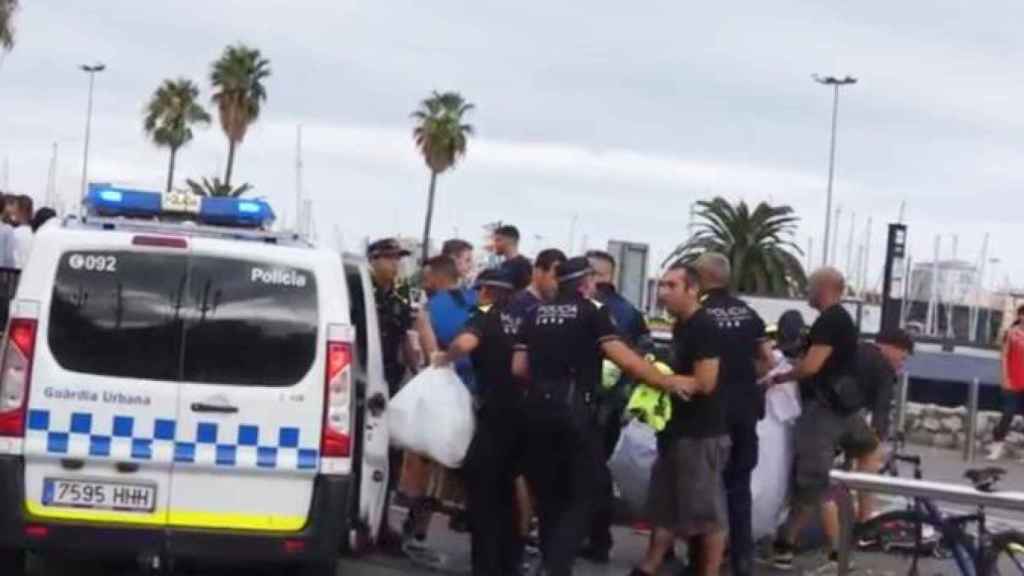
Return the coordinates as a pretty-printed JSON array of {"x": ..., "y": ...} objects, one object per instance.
[{"x": 111, "y": 201}]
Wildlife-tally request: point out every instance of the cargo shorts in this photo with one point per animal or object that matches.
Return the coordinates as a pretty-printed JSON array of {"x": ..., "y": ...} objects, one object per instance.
[
  {"x": 819, "y": 433},
  {"x": 687, "y": 494}
]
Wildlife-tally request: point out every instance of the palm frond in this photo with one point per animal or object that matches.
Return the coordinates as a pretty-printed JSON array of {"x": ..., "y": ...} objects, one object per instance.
[{"x": 757, "y": 240}]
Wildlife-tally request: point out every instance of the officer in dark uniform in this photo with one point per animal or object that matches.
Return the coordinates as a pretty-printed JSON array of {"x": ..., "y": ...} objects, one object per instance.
[
  {"x": 394, "y": 310},
  {"x": 559, "y": 351},
  {"x": 492, "y": 463},
  {"x": 396, "y": 317},
  {"x": 746, "y": 355}
]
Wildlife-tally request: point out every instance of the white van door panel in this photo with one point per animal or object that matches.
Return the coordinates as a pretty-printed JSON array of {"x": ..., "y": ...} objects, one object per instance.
[{"x": 374, "y": 472}]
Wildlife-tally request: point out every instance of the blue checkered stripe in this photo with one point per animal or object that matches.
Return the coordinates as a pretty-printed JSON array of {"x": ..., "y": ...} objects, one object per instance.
[{"x": 161, "y": 440}]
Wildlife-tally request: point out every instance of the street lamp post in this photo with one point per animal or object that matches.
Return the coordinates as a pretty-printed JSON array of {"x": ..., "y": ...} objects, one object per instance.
[
  {"x": 835, "y": 83},
  {"x": 91, "y": 71}
]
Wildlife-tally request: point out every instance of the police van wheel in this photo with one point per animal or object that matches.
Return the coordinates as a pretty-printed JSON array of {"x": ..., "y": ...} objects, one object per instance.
[{"x": 14, "y": 562}]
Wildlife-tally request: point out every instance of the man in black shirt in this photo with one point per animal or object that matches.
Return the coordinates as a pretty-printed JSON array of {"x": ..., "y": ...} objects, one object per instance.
[
  {"x": 559, "y": 351},
  {"x": 746, "y": 355},
  {"x": 506, "y": 245},
  {"x": 686, "y": 497},
  {"x": 825, "y": 424},
  {"x": 491, "y": 466}
]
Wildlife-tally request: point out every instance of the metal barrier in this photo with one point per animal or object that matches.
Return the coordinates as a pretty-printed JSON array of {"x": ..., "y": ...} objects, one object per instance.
[{"x": 953, "y": 493}]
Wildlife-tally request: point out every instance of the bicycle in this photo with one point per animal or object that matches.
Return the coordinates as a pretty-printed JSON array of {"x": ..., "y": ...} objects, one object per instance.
[{"x": 984, "y": 553}]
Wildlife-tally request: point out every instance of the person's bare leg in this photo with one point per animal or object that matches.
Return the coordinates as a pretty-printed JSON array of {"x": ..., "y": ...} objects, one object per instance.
[
  {"x": 661, "y": 541},
  {"x": 830, "y": 523},
  {"x": 871, "y": 464},
  {"x": 798, "y": 518},
  {"x": 524, "y": 504},
  {"x": 712, "y": 549}
]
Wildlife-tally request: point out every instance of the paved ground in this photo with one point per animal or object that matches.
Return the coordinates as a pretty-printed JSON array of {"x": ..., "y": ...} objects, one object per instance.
[{"x": 940, "y": 465}]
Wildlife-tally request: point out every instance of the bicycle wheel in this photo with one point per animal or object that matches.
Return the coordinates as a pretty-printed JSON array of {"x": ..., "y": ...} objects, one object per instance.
[
  {"x": 890, "y": 541},
  {"x": 1005, "y": 555}
]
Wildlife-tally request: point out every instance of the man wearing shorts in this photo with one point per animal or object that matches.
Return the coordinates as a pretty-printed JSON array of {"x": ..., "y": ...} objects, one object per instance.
[
  {"x": 687, "y": 497},
  {"x": 825, "y": 425}
]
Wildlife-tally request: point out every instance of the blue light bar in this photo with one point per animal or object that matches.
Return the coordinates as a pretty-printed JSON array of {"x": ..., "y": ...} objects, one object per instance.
[
  {"x": 235, "y": 212},
  {"x": 106, "y": 200},
  {"x": 111, "y": 201}
]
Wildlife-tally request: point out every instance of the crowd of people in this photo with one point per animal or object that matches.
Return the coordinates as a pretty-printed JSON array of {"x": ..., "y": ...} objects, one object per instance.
[
  {"x": 18, "y": 224},
  {"x": 532, "y": 340}
]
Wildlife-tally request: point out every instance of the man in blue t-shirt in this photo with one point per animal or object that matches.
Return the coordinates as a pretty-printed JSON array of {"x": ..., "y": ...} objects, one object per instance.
[{"x": 449, "y": 308}]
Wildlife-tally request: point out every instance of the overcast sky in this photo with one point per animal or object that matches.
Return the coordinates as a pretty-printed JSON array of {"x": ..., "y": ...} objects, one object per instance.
[{"x": 619, "y": 113}]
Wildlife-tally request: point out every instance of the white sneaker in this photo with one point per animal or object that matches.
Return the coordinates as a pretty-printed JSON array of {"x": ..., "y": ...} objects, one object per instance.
[{"x": 998, "y": 451}]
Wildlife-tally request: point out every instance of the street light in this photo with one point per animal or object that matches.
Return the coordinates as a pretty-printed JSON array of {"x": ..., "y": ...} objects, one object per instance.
[
  {"x": 91, "y": 71},
  {"x": 835, "y": 83}
]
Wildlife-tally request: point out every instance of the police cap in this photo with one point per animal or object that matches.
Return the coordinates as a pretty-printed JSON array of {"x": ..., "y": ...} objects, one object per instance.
[
  {"x": 386, "y": 247},
  {"x": 495, "y": 278},
  {"x": 573, "y": 269}
]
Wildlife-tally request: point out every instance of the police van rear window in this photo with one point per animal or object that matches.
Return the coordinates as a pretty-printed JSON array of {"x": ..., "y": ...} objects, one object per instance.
[{"x": 173, "y": 317}]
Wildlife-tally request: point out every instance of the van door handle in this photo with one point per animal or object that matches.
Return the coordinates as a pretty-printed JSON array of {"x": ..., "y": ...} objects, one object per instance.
[
  {"x": 127, "y": 467},
  {"x": 213, "y": 408},
  {"x": 377, "y": 404},
  {"x": 72, "y": 464}
]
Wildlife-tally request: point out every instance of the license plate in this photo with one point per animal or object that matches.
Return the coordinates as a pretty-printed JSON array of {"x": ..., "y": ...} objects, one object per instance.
[{"x": 99, "y": 494}]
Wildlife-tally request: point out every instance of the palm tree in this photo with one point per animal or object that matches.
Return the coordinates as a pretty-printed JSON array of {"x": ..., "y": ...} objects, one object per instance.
[
  {"x": 441, "y": 137},
  {"x": 238, "y": 79},
  {"x": 7, "y": 10},
  {"x": 214, "y": 187},
  {"x": 758, "y": 243},
  {"x": 170, "y": 115}
]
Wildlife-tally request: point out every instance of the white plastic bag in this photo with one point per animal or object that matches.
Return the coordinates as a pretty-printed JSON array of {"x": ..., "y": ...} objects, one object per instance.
[
  {"x": 432, "y": 415},
  {"x": 631, "y": 464}
]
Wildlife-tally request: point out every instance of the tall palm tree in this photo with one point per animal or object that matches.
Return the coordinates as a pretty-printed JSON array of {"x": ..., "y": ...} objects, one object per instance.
[
  {"x": 170, "y": 115},
  {"x": 7, "y": 10},
  {"x": 441, "y": 136},
  {"x": 759, "y": 245},
  {"x": 238, "y": 79}
]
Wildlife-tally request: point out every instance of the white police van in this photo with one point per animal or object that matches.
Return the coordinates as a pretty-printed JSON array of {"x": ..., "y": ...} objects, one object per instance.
[{"x": 198, "y": 390}]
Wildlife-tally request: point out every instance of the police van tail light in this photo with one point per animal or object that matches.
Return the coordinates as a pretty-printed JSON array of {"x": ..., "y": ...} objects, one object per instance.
[
  {"x": 337, "y": 433},
  {"x": 15, "y": 373}
]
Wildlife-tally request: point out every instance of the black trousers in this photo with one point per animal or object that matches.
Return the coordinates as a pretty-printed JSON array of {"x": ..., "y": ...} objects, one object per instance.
[
  {"x": 489, "y": 473},
  {"x": 563, "y": 458},
  {"x": 737, "y": 476},
  {"x": 1013, "y": 402},
  {"x": 601, "y": 521}
]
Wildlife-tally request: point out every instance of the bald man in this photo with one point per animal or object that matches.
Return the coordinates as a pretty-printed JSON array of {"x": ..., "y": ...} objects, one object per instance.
[
  {"x": 746, "y": 356},
  {"x": 826, "y": 423}
]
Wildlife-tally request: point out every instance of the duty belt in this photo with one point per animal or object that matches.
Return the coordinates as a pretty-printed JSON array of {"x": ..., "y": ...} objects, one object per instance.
[{"x": 563, "y": 391}]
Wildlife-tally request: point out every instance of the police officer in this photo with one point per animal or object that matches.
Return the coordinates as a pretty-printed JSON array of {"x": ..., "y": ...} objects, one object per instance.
[
  {"x": 559, "y": 351},
  {"x": 746, "y": 354},
  {"x": 396, "y": 318},
  {"x": 633, "y": 329},
  {"x": 491, "y": 466}
]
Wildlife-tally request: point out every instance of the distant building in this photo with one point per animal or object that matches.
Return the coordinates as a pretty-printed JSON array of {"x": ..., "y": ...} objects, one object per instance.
[{"x": 954, "y": 281}]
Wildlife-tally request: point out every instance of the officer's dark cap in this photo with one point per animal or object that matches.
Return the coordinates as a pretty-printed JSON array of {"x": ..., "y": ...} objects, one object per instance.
[
  {"x": 386, "y": 247},
  {"x": 897, "y": 338},
  {"x": 495, "y": 278},
  {"x": 574, "y": 269}
]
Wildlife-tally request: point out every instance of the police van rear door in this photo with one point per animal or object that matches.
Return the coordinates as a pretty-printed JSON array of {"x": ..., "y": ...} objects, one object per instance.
[
  {"x": 250, "y": 409},
  {"x": 102, "y": 357}
]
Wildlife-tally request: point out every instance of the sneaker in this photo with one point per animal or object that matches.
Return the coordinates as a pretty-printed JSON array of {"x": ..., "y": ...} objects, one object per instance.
[
  {"x": 831, "y": 565},
  {"x": 595, "y": 555},
  {"x": 997, "y": 452},
  {"x": 783, "y": 556}
]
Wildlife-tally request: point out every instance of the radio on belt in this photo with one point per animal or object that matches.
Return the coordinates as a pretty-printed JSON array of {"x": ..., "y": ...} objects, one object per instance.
[{"x": 111, "y": 201}]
